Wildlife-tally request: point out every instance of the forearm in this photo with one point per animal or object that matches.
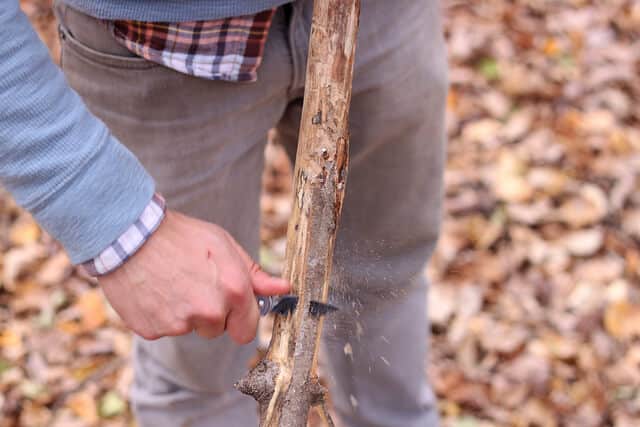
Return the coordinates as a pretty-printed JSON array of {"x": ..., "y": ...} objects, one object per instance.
[{"x": 59, "y": 161}]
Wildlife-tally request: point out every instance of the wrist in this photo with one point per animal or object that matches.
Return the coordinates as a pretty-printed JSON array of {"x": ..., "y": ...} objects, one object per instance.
[{"x": 129, "y": 242}]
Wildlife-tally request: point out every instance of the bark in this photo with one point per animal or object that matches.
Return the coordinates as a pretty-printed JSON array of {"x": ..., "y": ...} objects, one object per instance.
[{"x": 285, "y": 382}]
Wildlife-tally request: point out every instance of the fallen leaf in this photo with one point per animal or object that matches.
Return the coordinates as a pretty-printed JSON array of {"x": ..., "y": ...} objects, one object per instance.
[
  {"x": 513, "y": 189},
  {"x": 496, "y": 104},
  {"x": 584, "y": 242},
  {"x": 489, "y": 69},
  {"x": 601, "y": 269},
  {"x": 618, "y": 291},
  {"x": 551, "y": 182},
  {"x": 92, "y": 310},
  {"x": 530, "y": 213},
  {"x": 589, "y": 207},
  {"x": 560, "y": 346},
  {"x": 34, "y": 415},
  {"x": 599, "y": 121},
  {"x": 536, "y": 413},
  {"x": 17, "y": 261},
  {"x": 54, "y": 270},
  {"x": 517, "y": 126},
  {"x": 24, "y": 232},
  {"x": 12, "y": 341},
  {"x": 111, "y": 405},
  {"x": 442, "y": 303},
  {"x": 503, "y": 338},
  {"x": 484, "y": 131},
  {"x": 83, "y": 405},
  {"x": 622, "y": 320},
  {"x": 531, "y": 369},
  {"x": 631, "y": 223}
]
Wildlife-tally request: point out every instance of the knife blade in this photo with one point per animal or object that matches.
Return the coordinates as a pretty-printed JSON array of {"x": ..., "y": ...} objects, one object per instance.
[{"x": 285, "y": 305}]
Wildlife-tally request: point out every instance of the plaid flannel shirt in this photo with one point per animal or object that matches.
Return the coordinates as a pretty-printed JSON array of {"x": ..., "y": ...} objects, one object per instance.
[{"x": 224, "y": 49}]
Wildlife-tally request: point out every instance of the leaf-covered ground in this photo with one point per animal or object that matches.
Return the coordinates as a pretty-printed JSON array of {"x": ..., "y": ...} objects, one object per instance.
[{"x": 535, "y": 303}]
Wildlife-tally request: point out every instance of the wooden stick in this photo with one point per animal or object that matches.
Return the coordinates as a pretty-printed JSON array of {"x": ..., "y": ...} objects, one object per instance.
[{"x": 285, "y": 382}]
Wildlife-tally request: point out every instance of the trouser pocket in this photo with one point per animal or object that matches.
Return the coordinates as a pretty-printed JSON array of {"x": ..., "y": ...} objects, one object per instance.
[{"x": 91, "y": 40}]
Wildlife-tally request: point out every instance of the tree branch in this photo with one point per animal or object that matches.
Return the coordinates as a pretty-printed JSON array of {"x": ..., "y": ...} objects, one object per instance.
[{"x": 285, "y": 383}]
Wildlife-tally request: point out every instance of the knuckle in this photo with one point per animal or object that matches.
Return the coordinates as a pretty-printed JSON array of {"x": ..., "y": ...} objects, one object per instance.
[
  {"x": 211, "y": 315},
  {"x": 149, "y": 336},
  {"x": 217, "y": 318},
  {"x": 217, "y": 234},
  {"x": 222, "y": 232},
  {"x": 246, "y": 336},
  {"x": 180, "y": 328},
  {"x": 254, "y": 267},
  {"x": 236, "y": 292}
]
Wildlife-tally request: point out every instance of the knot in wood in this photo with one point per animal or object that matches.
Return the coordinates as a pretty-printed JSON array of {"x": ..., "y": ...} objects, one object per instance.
[
  {"x": 260, "y": 382},
  {"x": 317, "y": 392}
]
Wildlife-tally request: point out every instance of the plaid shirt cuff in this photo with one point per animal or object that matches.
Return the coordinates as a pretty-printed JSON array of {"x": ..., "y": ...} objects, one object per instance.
[{"x": 130, "y": 241}]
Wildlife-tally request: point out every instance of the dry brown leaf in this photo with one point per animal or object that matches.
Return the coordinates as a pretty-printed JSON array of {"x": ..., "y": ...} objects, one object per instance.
[
  {"x": 622, "y": 320},
  {"x": 534, "y": 413},
  {"x": 83, "y": 405},
  {"x": 469, "y": 304},
  {"x": 12, "y": 340},
  {"x": 497, "y": 104},
  {"x": 631, "y": 223},
  {"x": 586, "y": 298},
  {"x": 508, "y": 393},
  {"x": 92, "y": 310},
  {"x": 509, "y": 180},
  {"x": 584, "y": 242},
  {"x": 600, "y": 270},
  {"x": 442, "y": 303},
  {"x": 503, "y": 338},
  {"x": 54, "y": 270},
  {"x": 483, "y": 233},
  {"x": 559, "y": 346},
  {"x": 17, "y": 261},
  {"x": 531, "y": 213},
  {"x": 587, "y": 208},
  {"x": 24, "y": 232},
  {"x": 34, "y": 415},
  {"x": 518, "y": 125},
  {"x": 551, "y": 182},
  {"x": 520, "y": 81},
  {"x": 618, "y": 291},
  {"x": 599, "y": 121},
  {"x": 484, "y": 131},
  {"x": 533, "y": 370}
]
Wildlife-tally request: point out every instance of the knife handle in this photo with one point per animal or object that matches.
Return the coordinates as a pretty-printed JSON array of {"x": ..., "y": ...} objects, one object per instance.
[{"x": 265, "y": 304}]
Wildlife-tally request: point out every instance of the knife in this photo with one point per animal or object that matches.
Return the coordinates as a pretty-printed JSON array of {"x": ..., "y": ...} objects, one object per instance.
[{"x": 285, "y": 304}]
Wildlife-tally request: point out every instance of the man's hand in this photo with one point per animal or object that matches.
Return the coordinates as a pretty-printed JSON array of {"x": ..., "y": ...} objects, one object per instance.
[{"x": 190, "y": 275}]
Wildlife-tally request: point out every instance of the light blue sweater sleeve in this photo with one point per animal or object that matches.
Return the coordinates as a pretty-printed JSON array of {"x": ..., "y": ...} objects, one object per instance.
[{"x": 59, "y": 161}]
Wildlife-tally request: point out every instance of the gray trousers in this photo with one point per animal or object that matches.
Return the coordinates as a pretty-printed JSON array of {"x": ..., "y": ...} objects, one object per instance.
[{"x": 203, "y": 141}]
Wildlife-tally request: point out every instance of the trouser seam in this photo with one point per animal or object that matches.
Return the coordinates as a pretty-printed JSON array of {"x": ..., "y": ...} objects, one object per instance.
[{"x": 297, "y": 37}]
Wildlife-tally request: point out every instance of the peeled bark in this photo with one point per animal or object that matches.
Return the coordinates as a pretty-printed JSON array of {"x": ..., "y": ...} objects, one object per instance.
[{"x": 285, "y": 382}]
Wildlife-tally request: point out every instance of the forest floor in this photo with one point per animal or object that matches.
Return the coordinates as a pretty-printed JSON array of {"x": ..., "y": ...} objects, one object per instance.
[{"x": 535, "y": 297}]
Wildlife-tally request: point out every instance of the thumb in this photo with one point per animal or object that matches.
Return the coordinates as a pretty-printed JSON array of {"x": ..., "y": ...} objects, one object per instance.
[
  {"x": 266, "y": 285},
  {"x": 263, "y": 283}
]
